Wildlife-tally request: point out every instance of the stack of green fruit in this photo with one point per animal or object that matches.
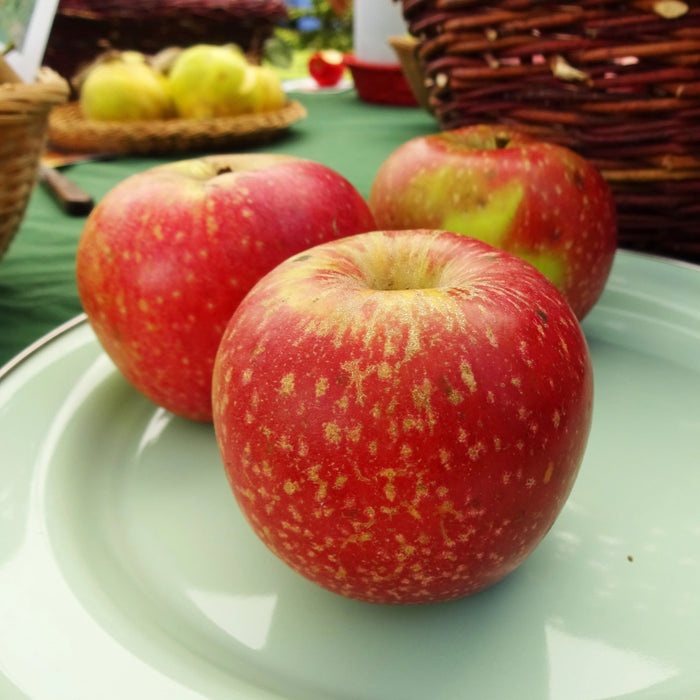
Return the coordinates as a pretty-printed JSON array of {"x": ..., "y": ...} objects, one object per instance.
[{"x": 198, "y": 82}]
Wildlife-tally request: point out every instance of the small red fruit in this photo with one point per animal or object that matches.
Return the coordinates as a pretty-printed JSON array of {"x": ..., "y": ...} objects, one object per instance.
[{"x": 326, "y": 67}]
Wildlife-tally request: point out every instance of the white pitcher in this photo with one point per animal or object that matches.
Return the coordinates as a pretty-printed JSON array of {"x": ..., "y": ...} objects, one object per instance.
[{"x": 374, "y": 21}]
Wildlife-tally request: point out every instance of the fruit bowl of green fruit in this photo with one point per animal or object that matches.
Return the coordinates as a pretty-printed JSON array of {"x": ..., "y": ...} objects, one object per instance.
[{"x": 200, "y": 97}]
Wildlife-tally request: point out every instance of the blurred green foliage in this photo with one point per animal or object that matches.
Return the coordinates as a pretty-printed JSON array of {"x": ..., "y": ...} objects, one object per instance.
[{"x": 314, "y": 27}]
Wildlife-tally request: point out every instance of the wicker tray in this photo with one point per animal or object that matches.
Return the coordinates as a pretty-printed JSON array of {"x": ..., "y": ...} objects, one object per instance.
[
  {"x": 24, "y": 110},
  {"x": 69, "y": 130},
  {"x": 616, "y": 80}
]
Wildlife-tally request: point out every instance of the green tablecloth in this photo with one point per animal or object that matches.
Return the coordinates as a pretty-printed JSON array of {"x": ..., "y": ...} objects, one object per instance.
[{"x": 37, "y": 285}]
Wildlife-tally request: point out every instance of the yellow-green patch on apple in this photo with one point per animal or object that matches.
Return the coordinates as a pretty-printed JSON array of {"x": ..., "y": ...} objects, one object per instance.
[
  {"x": 491, "y": 220},
  {"x": 549, "y": 265}
]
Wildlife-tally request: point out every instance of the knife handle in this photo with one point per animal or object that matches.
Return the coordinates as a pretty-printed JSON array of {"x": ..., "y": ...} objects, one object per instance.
[{"x": 75, "y": 202}]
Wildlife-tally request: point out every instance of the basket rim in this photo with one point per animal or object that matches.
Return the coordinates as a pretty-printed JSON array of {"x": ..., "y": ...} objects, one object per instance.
[
  {"x": 70, "y": 130},
  {"x": 255, "y": 11},
  {"x": 49, "y": 90}
]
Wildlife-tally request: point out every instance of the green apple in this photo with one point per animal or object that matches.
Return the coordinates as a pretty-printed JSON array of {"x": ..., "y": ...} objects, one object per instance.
[
  {"x": 268, "y": 89},
  {"x": 211, "y": 81},
  {"x": 124, "y": 87}
]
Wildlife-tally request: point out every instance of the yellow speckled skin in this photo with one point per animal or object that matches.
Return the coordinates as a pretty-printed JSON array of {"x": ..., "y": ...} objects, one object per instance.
[
  {"x": 402, "y": 415},
  {"x": 167, "y": 255}
]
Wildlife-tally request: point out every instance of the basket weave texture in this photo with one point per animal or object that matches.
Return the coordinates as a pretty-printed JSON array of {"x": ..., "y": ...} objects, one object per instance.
[
  {"x": 24, "y": 111},
  {"x": 617, "y": 81},
  {"x": 70, "y": 130},
  {"x": 405, "y": 48},
  {"x": 82, "y": 29}
]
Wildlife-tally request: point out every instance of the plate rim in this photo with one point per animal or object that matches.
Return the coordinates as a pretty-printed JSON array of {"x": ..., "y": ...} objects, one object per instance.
[{"x": 36, "y": 345}]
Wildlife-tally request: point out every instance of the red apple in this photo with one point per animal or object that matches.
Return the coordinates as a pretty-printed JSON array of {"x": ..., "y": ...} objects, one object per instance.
[
  {"x": 539, "y": 201},
  {"x": 326, "y": 67},
  {"x": 167, "y": 255},
  {"x": 402, "y": 415}
]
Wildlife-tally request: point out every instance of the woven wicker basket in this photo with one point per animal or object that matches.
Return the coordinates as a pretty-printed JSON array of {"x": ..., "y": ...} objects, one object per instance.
[
  {"x": 24, "y": 111},
  {"x": 82, "y": 29},
  {"x": 616, "y": 80},
  {"x": 405, "y": 48},
  {"x": 69, "y": 130}
]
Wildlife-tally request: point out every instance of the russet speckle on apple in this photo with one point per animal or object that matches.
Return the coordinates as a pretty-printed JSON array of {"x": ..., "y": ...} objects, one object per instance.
[
  {"x": 166, "y": 256},
  {"x": 402, "y": 414}
]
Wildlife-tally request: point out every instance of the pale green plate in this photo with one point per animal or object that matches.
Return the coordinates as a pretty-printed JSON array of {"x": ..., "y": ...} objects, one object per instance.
[{"x": 127, "y": 572}]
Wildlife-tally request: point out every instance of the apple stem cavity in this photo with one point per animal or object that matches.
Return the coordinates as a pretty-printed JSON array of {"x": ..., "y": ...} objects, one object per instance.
[
  {"x": 399, "y": 278},
  {"x": 502, "y": 141},
  {"x": 480, "y": 140},
  {"x": 394, "y": 266}
]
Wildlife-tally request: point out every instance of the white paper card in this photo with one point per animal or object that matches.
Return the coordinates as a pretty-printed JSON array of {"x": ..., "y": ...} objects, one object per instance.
[
  {"x": 26, "y": 24},
  {"x": 374, "y": 21}
]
